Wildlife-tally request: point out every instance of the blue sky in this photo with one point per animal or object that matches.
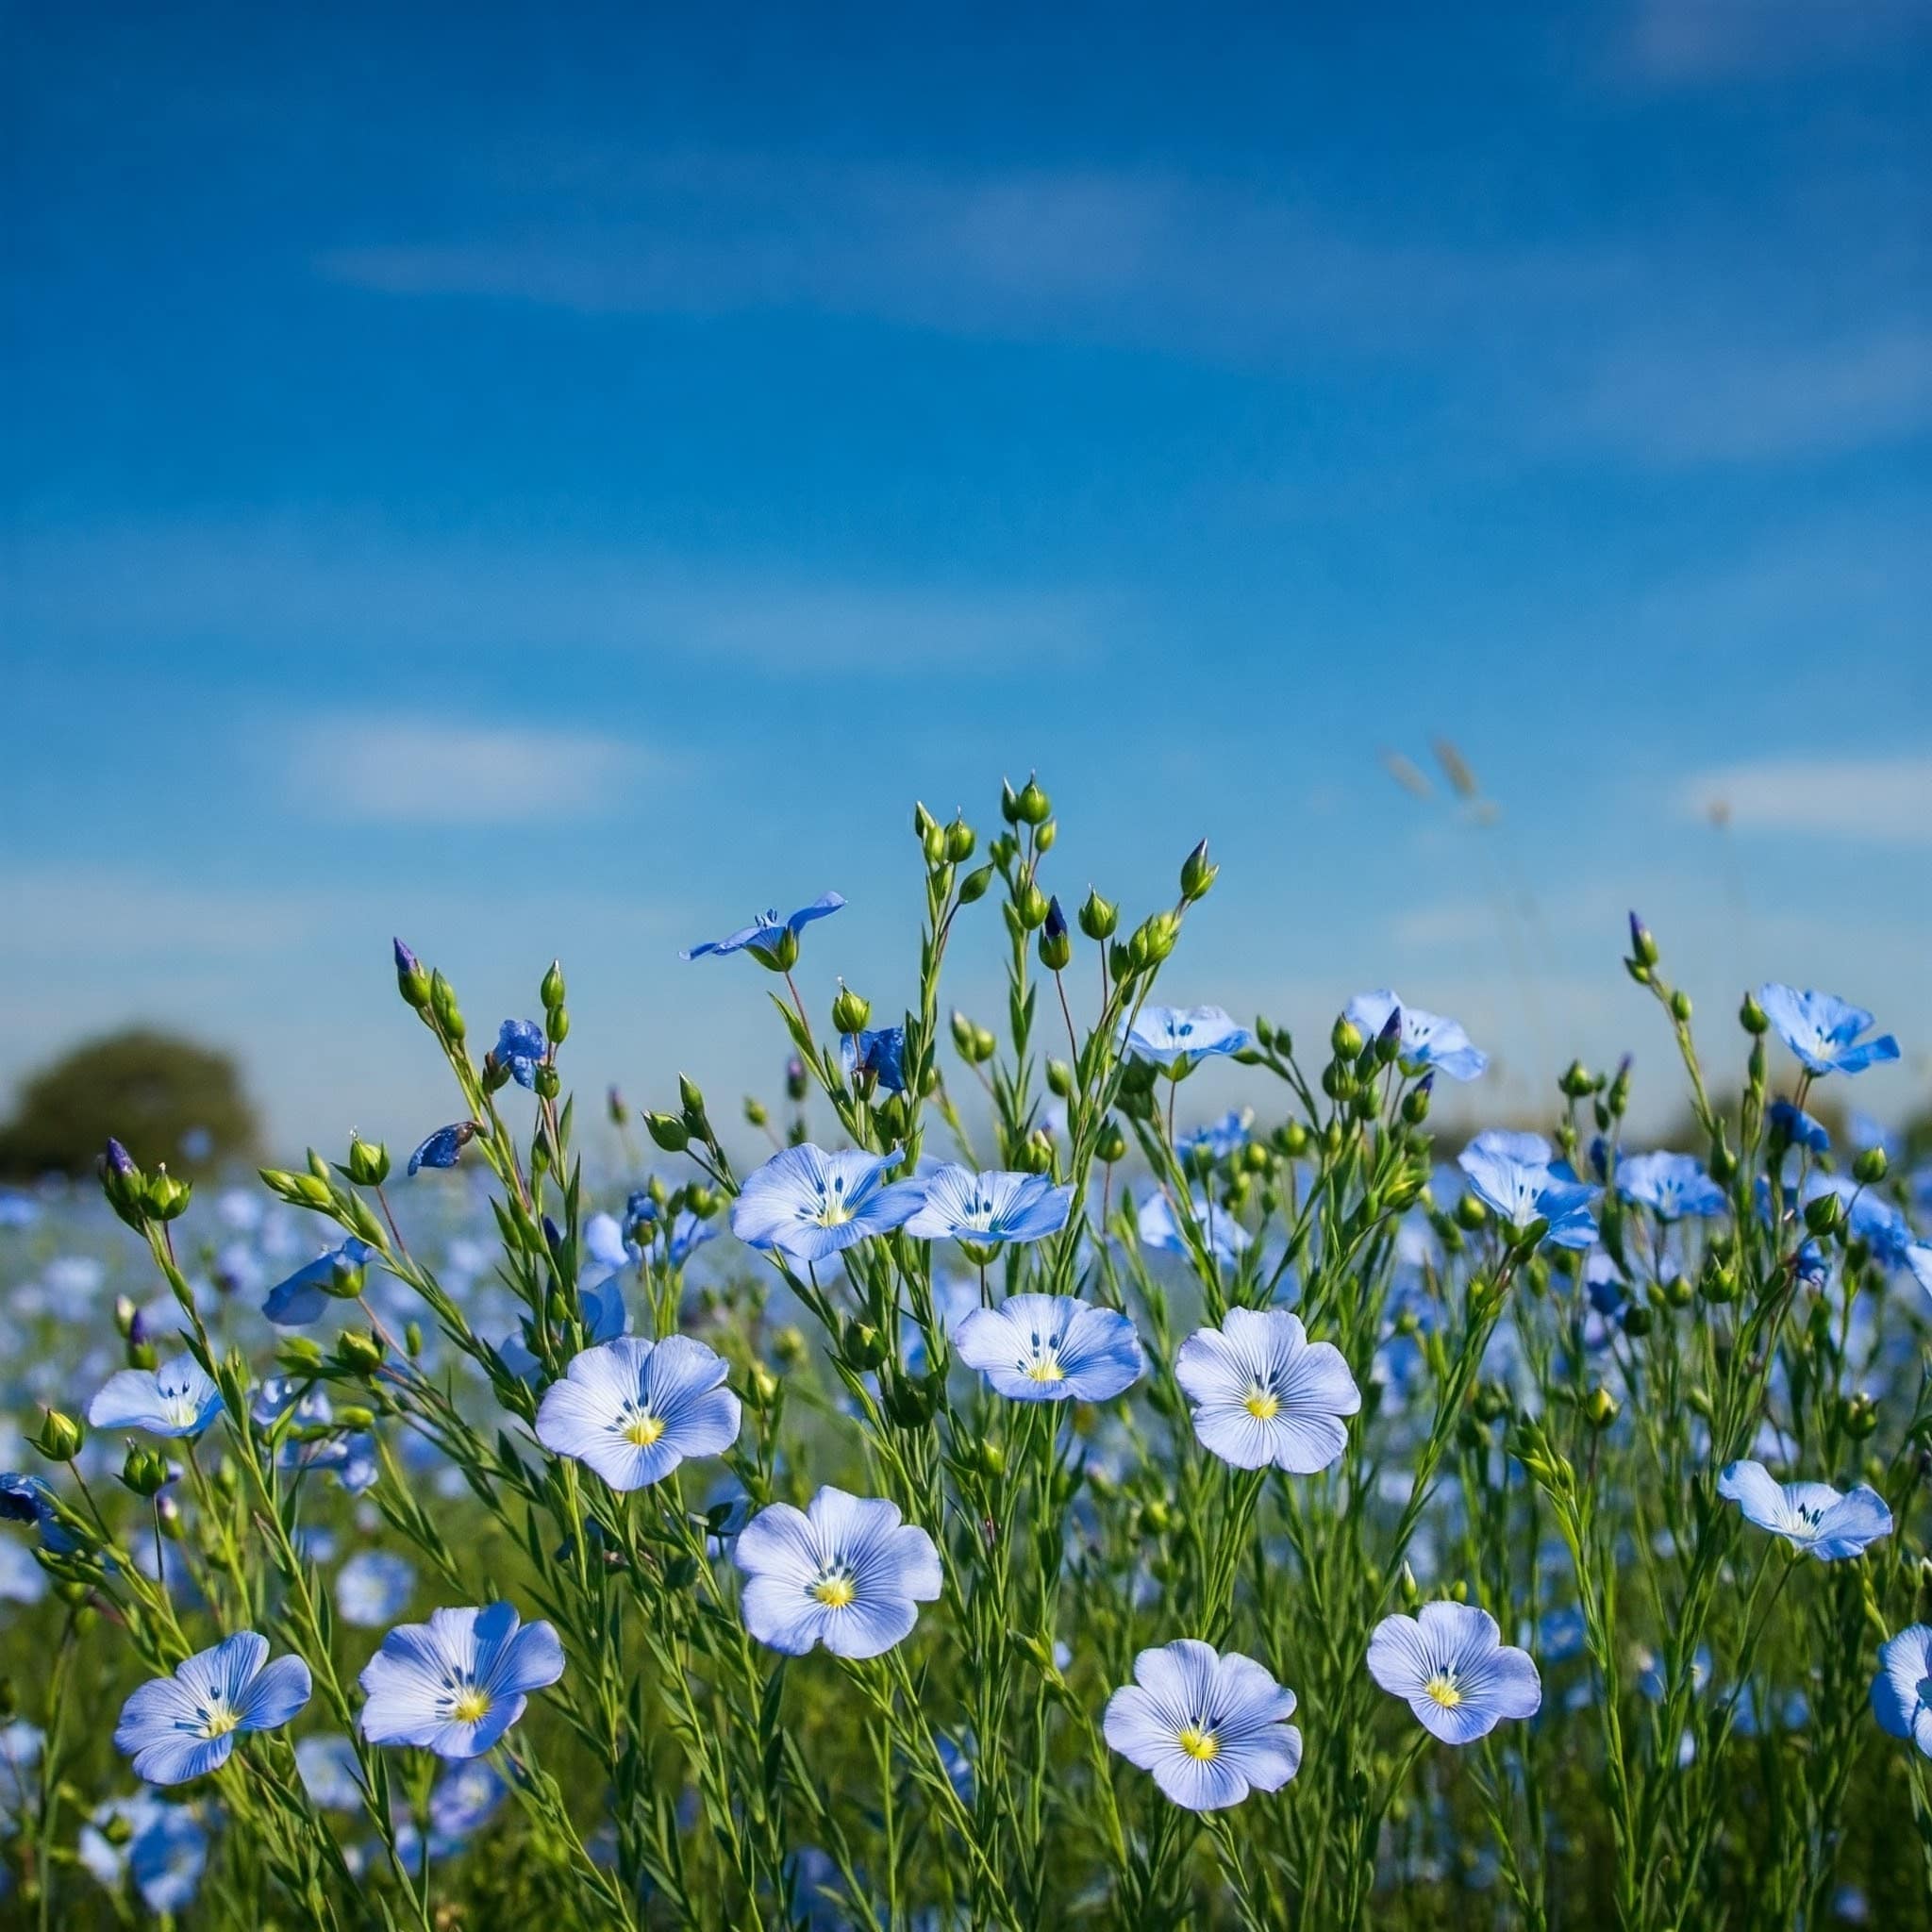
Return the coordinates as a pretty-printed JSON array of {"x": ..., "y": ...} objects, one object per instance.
[{"x": 561, "y": 484}]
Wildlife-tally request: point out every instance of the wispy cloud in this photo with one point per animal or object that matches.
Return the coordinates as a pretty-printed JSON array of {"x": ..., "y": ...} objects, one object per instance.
[
  {"x": 431, "y": 772},
  {"x": 256, "y": 585},
  {"x": 1875, "y": 800},
  {"x": 1680, "y": 43}
]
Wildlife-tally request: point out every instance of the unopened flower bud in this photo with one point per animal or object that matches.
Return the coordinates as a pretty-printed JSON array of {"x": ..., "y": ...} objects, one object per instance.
[
  {"x": 1197, "y": 874},
  {"x": 865, "y": 1347},
  {"x": 1643, "y": 947},
  {"x": 1345, "y": 1038},
  {"x": 1680, "y": 1006},
  {"x": 1470, "y": 1213},
  {"x": 1415, "y": 1102},
  {"x": 1825, "y": 1213},
  {"x": 144, "y": 1471},
  {"x": 1751, "y": 1016},
  {"x": 367, "y": 1166},
  {"x": 443, "y": 1004},
  {"x": 668, "y": 1131},
  {"x": 1113, "y": 1144},
  {"x": 1577, "y": 1082},
  {"x": 1098, "y": 917},
  {"x": 412, "y": 982},
  {"x": 1030, "y": 905},
  {"x": 166, "y": 1198},
  {"x": 1032, "y": 807},
  {"x": 972, "y": 887},
  {"x": 1870, "y": 1167},
  {"x": 851, "y": 1013},
  {"x": 1600, "y": 1408},
  {"x": 789, "y": 1344},
  {"x": 960, "y": 839},
  {"x": 551, "y": 988},
  {"x": 59, "y": 1437},
  {"x": 1055, "y": 943}
]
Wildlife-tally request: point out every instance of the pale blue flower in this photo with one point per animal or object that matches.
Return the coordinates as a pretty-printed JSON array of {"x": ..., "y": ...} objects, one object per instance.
[
  {"x": 1809, "y": 1516},
  {"x": 176, "y": 1399},
  {"x": 1457, "y": 1673},
  {"x": 183, "y": 1727},
  {"x": 306, "y": 1294},
  {"x": 164, "y": 1854},
  {"x": 1902, "y": 1691},
  {"x": 455, "y": 1683},
  {"x": 1428, "y": 1040},
  {"x": 1670, "y": 1184},
  {"x": 465, "y": 1798},
  {"x": 807, "y": 1204},
  {"x": 989, "y": 1208},
  {"x": 1224, "y": 1236},
  {"x": 1051, "y": 1348},
  {"x": 765, "y": 935},
  {"x": 373, "y": 1587},
  {"x": 1210, "y": 1729},
  {"x": 1823, "y": 1030},
  {"x": 1264, "y": 1394},
  {"x": 633, "y": 1409},
  {"x": 1869, "y": 1216},
  {"x": 1179, "y": 1038},
  {"x": 1220, "y": 1139},
  {"x": 1514, "y": 1175},
  {"x": 520, "y": 1050},
  {"x": 330, "y": 1771},
  {"x": 846, "y": 1573}
]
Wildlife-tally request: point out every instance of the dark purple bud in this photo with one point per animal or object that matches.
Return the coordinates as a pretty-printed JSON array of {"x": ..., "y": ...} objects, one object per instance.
[
  {"x": 553, "y": 1235},
  {"x": 1391, "y": 1026},
  {"x": 1056, "y": 920},
  {"x": 119, "y": 1163},
  {"x": 411, "y": 981}
]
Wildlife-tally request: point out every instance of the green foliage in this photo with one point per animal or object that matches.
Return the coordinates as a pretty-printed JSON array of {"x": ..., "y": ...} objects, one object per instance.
[{"x": 167, "y": 1099}]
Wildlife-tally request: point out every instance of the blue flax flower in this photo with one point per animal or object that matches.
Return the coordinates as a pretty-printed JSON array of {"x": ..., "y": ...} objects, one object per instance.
[
  {"x": 1869, "y": 1216},
  {"x": 303, "y": 1297},
  {"x": 176, "y": 1399},
  {"x": 183, "y": 1727},
  {"x": 455, "y": 1683},
  {"x": 845, "y": 1573},
  {"x": 1210, "y": 1729},
  {"x": 1452, "y": 1665},
  {"x": 330, "y": 1771},
  {"x": 442, "y": 1147},
  {"x": 1051, "y": 1348},
  {"x": 1902, "y": 1691},
  {"x": 373, "y": 1588},
  {"x": 520, "y": 1049},
  {"x": 1224, "y": 1237},
  {"x": 1670, "y": 1184},
  {"x": 769, "y": 937},
  {"x": 28, "y": 1499},
  {"x": 1513, "y": 1174},
  {"x": 880, "y": 1053},
  {"x": 1428, "y": 1040},
  {"x": 1179, "y": 1038},
  {"x": 633, "y": 1410},
  {"x": 1219, "y": 1138},
  {"x": 1264, "y": 1394},
  {"x": 164, "y": 1850},
  {"x": 807, "y": 1204},
  {"x": 1823, "y": 1030},
  {"x": 988, "y": 1208},
  {"x": 1798, "y": 1128},
  {"x": 1809, "y": 1516}
]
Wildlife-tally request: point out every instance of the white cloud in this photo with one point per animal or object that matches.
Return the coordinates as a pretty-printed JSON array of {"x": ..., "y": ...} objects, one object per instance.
[
  {"x": 1878, "y": 800},
  {"x": 428, "y": 772}
]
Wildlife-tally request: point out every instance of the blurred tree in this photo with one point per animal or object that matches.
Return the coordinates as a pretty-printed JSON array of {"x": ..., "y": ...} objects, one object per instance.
[{"x": 165, "y": 1099}]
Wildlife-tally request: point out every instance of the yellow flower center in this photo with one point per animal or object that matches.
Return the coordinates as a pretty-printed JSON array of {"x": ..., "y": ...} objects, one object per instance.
[
  {"x": 219, "y": 1721},
  {"x": 835, "y": 1593},
  {"x": 470, "y": 1706},
  {"x": 1198, "y": 1743},
  {"x": 1262, "y": 1404},
  {"x": 643, "y": 1430},
  {"x": 1441, "y": 1687}
]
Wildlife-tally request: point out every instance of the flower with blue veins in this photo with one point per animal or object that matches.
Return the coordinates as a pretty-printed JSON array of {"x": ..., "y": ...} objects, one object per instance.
[
  {"x": 185, "y": 1725},
  {"x": 1823, "y": 1030},
  {"x": 1212, "y": 1728},
  {"x": 987, "y": 1210},
  {"x": 520, "y": 1050},
  {"x": 1051, "y": 1348},
  {"x": 633, "y": 1409},
  {"x": 303, "y": 1297},
  {"x": 455, "y": 1683},
  {"x": 1670, "y": 1184},
  {"x": 806, "y": 1204},
  {"x": 878, "y": 1054},
  {"x": 1794, "y": 1126},
  {"x": 1811, "y": 1517},
  {"x": 1180, "y": 1038},
  {"x": 846, "y": 1572},
  {"x": 176, "y": 1399},
  {"x": 1869, "y": 1216},
  {"x": 1513, "y": 1174},
  {"x": 1226, "y": 1240},
  {"x": 1218, "y": 1140},
  {"x": 1428, "y": 1041},
  {"x": 1263, "y": 1393},
  {"x": 770, "y": 941},
  {"x": 1451, "y": 1664},
  {"x": 1902, "y": 1691},
  {"x": 373, "y": 1589},
  {"x": 442, "y": 1147}
]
